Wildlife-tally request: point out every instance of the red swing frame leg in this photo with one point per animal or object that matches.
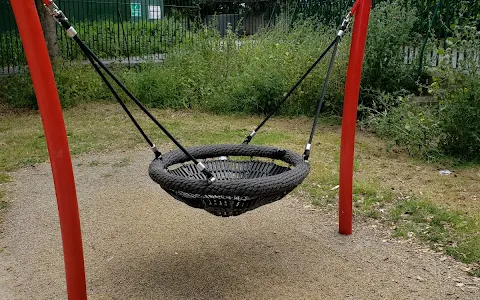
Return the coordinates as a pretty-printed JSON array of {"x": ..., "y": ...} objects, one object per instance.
[
  {"x": 49, "y": 104},
  {"x": 361, "y": 10}
]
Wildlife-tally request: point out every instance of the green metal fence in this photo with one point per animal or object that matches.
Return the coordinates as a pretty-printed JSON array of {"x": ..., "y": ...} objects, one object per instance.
[
  {"x": 129, "y": 29},
  {"x": 124, "y": 29}
]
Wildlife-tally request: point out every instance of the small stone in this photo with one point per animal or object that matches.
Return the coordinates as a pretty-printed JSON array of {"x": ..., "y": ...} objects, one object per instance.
[
  {"x": 420, "y": 278},
  {"x": 460, "y": 284}
]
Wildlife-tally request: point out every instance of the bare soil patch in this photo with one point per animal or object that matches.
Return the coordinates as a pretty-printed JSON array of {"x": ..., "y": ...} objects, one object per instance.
[{"x": 141, "y": 244}]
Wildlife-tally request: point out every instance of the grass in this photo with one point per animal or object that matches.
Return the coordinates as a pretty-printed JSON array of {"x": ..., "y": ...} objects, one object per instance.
[
  {"x": 4, "y": 178},
  {"x": 3, "y": 204},
  {"x": 453, "y": 232},
  {"x": 405, "y": 193}
]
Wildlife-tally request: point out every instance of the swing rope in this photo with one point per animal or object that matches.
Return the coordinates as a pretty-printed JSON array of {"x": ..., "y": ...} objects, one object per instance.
[
  {"x": 96, "y": 63},
  {"x": 333, "y": 44},
  {"x": 306, "y": 153},
  {"x": 241, "y": 185}
]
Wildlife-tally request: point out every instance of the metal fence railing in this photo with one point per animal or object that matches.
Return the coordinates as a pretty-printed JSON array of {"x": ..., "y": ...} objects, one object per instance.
[
  {"x": 123, "y": 29},
  {"x": 132, "y": 29},
  {"x": 128, "y": 29}
]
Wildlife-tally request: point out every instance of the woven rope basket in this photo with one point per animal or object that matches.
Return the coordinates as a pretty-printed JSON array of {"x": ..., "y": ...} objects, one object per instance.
[{"x": 245, "y": 179}]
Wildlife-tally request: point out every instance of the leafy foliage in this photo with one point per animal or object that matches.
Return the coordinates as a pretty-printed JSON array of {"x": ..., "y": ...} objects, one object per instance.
[
  {"x": 408, "y": 124},
  {"x": 391, "y": 28},
  {"x": 453, "y": 232},
  {"x": 447, "y": 122}
]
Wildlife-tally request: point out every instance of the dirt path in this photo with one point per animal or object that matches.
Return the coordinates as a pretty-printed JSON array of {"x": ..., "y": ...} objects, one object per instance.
[{"x": 141, "y": 244}]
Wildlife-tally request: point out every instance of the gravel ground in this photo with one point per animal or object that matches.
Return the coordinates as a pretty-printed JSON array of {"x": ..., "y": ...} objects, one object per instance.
[{"x": 139, "y": 243}]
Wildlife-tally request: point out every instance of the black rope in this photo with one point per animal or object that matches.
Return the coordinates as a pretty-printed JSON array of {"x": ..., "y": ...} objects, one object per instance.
[
  {"x": 117, "y": 97},
  {"x": 275, "y": 110},
  {"x": 306, "y": 153},
  {"x": 96, "y": 62}
]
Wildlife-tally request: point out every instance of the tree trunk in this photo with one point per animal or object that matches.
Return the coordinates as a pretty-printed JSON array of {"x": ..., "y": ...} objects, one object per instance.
[{"x": 49, "y": 27}]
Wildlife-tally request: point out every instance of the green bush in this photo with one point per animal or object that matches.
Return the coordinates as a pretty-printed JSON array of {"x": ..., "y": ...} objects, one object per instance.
[
  {"x": 17, "y": 91},
  {"x": 391, "y": 28},
  {"x": 449, "y": 127},
  {"x": 79, "y": 83},
  {"x": 250, "y": 75},
  {"x": 408, "y": 124},
  {"x": 224, "y": 75},
  {"x": 75, "y": 83},
  {"x": 460, "y": 117},
  {"x": 450, "y": 124},
  {"x": 458, "y": 93}
]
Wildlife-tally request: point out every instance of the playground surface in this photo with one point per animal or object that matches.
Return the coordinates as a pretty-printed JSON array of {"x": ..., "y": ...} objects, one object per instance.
[{"x": 139, "y": 243}]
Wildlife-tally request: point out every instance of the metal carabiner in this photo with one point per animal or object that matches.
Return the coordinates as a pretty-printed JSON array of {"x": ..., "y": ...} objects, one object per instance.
[{"x": 345, "y": 23}]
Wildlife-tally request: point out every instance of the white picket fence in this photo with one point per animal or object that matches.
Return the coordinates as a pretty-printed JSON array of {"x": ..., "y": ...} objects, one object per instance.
[{"x": 457, "y": 58}]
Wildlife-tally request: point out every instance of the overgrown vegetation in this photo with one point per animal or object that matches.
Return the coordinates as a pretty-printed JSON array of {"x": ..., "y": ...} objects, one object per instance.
[
  {"x": 452, "y": 232},
  {"x": 222, "y": 75},
  {"x": 445, "y": 122},
  {"x": 247, "y": 75},
  {"x": 391, "y": 27}
]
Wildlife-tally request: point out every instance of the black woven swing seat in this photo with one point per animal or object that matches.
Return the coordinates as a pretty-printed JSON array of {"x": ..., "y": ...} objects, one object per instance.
[{"x": 244, "y": 181}]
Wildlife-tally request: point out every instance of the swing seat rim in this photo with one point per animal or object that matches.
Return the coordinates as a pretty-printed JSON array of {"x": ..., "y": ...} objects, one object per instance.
[{"x": 282, "y": 183}]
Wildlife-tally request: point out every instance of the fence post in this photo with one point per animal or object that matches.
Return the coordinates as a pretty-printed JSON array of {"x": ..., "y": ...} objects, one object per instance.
[
  {"x": 49, "y": 104},
  {"x": 349, "y": 119}
]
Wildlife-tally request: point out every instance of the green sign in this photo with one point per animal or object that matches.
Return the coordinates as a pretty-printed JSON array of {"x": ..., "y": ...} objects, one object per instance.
[{"x": 135, "y": 9}]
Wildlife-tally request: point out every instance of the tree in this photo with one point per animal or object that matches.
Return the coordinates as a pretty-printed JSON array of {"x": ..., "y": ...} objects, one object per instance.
[{"x": 49, "y": 27}]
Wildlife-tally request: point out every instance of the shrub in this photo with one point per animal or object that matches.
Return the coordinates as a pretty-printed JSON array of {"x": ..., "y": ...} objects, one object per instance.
[
  {"x": 391, "y": 28},
  {"x": 79, "y": 83},
  {"x": 458, "y": 91},
  {"x": 17, "y": 91},
  {"x": 408, "y": 124},
  {"x": 451, "y": 125},
  {"x": 460, "y": 121},
  {"x": 249, "y": 75}
]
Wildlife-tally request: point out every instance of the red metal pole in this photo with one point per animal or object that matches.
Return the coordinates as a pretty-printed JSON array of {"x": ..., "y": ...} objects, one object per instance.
[
  {"x": 349, "y": 119},
  {"x": 49, "y": 104}
]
